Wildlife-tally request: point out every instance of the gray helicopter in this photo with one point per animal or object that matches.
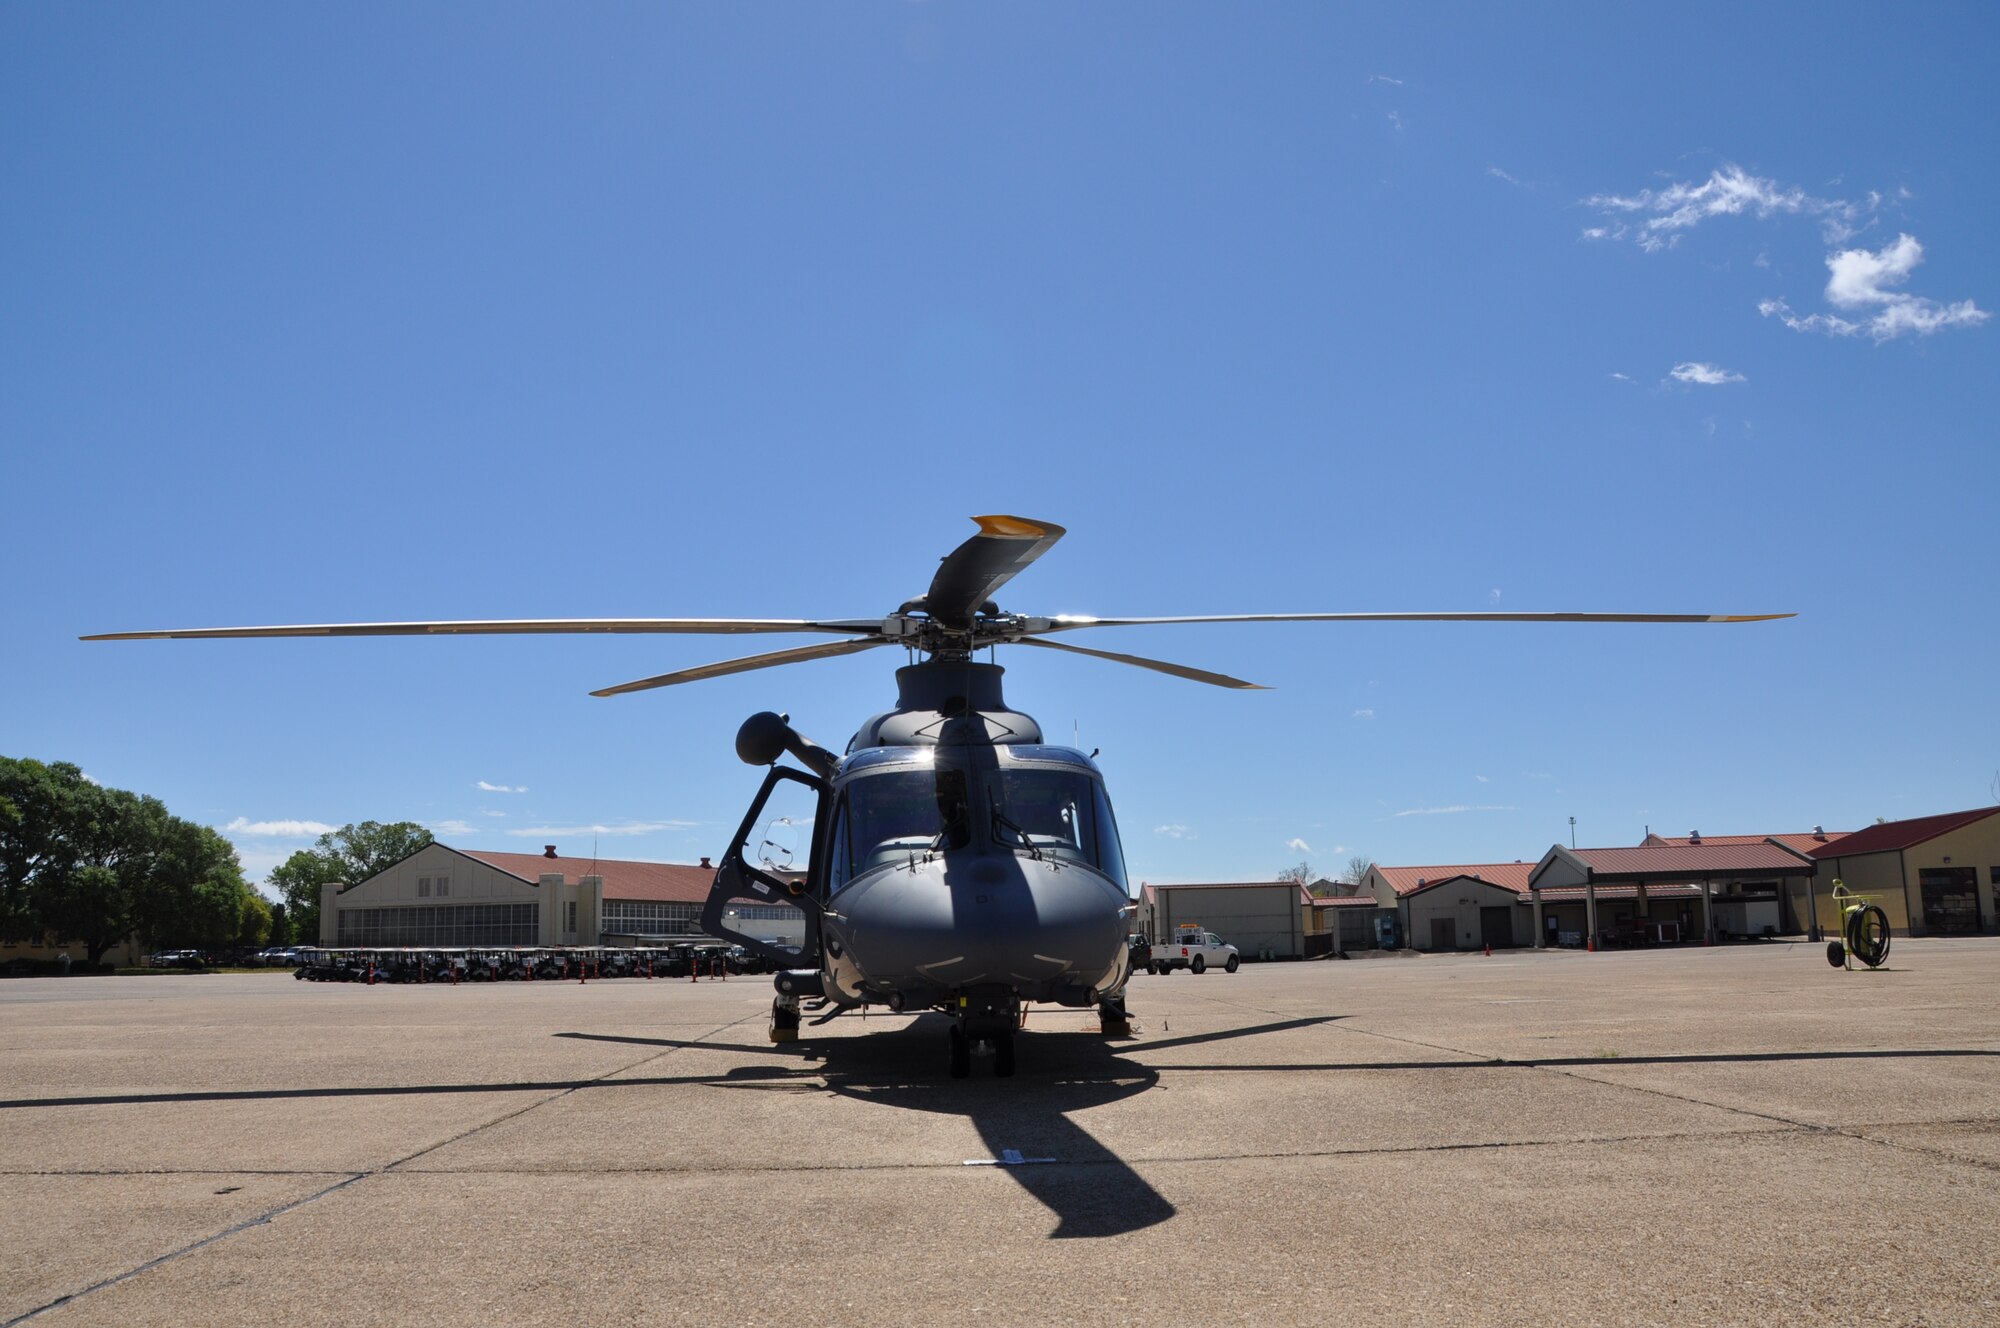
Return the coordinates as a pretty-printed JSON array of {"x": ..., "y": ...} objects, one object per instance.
[{"x": 958, "y": 861}]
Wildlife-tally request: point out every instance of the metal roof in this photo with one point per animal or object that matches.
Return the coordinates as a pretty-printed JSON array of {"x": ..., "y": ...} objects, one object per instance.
[
  {"x": 667, "y": 882},
  {"x": 1703, "y": 859},
  {"x": 1801, "y": 843},
  {"x": 1892, "y": 835},
  {"x": 1672, "y": 862},
  {"x": 1508, "y": 875}
]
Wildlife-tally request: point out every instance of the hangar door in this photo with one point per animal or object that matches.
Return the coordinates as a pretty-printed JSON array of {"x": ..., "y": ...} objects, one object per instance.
[
  {"x": 1951, "y": 900},
  {"x": 1496, "y": 927}
]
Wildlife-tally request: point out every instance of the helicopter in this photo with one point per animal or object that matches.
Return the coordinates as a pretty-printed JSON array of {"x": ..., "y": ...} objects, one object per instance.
[{"x": 959, "y": 861}]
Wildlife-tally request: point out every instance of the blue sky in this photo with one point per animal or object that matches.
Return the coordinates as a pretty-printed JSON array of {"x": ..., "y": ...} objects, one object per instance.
[{"x": 322, "y": 313}]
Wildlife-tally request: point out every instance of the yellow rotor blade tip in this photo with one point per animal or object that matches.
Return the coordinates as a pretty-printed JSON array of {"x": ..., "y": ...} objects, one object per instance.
[{"x": 1012, "y": 527}]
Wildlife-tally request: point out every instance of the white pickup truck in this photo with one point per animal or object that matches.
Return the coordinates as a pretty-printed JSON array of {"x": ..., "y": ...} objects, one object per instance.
[{"x": 1195, "y": 950}]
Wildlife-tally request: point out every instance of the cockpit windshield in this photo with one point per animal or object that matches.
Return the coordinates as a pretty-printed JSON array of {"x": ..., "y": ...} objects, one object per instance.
[
  {"x": 890, "y": 817},
  {"x": 898, "y": 814},
  {"x": 1054, "y": 812}
]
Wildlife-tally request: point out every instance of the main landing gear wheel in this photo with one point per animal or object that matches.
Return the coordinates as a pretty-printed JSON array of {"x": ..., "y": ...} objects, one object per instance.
[
  {"x": 1230, "y": 966},
  {"x": 1199, "y": 966},
  {"x": 961, "y": 1054},
  {"x": 1113, "y": 1020}
]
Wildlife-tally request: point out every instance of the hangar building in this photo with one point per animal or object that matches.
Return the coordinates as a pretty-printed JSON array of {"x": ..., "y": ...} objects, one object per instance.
[
  {"x": 1664, "y": 893},
  {"x": 1935, "y": 875},
  {"x": 1455, "y": 907},
  {"x": 1262, "y": 919},
  {"x": 446, "y": 897}
]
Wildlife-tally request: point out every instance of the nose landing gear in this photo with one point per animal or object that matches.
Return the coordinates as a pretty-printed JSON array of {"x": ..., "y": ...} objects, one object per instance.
[{"x": 985, "y": 1023}]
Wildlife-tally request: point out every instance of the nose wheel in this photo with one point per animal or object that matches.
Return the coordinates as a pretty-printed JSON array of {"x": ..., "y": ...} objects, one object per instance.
[
  {"x": 983, "y": 1022},
  {"x": 1000, "y": 1047}
]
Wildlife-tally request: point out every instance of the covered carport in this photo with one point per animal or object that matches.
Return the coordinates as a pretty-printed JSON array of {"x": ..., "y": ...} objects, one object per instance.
[{"x": 1744, "y": 877}]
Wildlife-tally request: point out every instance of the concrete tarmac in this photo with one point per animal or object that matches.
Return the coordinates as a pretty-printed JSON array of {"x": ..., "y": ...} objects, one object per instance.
[{"x": 1708, "y": 1136}]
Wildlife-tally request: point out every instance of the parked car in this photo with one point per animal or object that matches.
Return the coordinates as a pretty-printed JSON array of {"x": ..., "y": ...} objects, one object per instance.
[
  {"x": 1141, "y": 951},
  {"x": 1195, "y": 950}
]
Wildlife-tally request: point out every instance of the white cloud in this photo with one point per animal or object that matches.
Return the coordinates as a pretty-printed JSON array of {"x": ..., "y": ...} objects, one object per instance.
[
  {"x": 1396, "y": 120},
  {"x": 1482, "y": 779},
  {"x": 453, "y": 828},
  {"x": 1623, "y": 378},
  {"x": 1728, "y": 191},
  {"x": 1452, "y": 810},
  {"x": 485, "y": 787},
  {"x": 573, "y": 831},
  {"x": 1709, "y": 375},
  {"x": 1499, "y": 174},
  {"x": 484, "y": 812},
  {"x": 1862, "y": 279},
  {"x": 279, "y": 829},
  {"x": 1172, "y": 831},
  {"x": 1859, "y": 282},
  {"x": 1384, "y": 78},
  {"x": 1364, "y": 714},
  {"x": 1298, "y": 846},
  {"x": 89, "y": 778},
  {"x": 1493, "y": 595}
]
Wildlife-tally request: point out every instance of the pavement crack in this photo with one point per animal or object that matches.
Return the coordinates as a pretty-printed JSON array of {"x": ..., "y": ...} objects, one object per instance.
[
  {"x": 347, "y": 1180},
  {"x": 261, "y": 1219}
]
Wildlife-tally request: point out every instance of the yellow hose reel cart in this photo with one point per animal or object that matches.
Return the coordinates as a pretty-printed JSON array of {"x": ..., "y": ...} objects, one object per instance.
[{"x": 1864, "y": 930}]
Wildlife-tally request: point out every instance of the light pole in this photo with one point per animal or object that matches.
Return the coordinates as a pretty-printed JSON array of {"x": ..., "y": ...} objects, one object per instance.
[{"x": 1572, "y": 832}]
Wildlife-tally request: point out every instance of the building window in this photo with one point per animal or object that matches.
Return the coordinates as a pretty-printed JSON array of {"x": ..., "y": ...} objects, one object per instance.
[
  {"x": 571, "y": 914},
  {"x": 423, "y": 887},
  {"x": 443, "y": 886},
  {"x": 440, "y": 925}
]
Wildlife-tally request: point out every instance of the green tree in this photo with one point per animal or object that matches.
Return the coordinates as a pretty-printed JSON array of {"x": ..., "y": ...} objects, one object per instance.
[
  {"x": 255, "y": 929},
  {"x": 194, "y": 893},
  {"x": 348, "y": 855},
  {"x": 93, "y": 865},
  {"x": 280, "y": 934},
  {"x": 41, "y": 807}
]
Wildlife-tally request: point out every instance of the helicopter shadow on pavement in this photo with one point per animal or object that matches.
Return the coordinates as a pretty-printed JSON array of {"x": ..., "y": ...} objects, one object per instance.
[{"x": 1031, "y": 1116}]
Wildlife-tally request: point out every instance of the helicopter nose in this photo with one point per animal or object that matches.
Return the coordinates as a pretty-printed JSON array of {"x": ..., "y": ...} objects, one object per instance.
[{"x": 959, "y": 920}]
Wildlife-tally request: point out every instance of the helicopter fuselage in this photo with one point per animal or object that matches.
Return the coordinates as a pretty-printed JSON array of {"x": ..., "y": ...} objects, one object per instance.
[{"x": 945, "y": 870}]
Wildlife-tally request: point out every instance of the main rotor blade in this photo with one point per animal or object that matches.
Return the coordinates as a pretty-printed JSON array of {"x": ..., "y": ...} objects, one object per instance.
[
  {"x": 972, "y": 572},
  {"x": 1157, "y": 666},
  {"x": 515, "y": 626},
  {"x": 1067, "y": 622},
  {"x": 744, "y": 665}
]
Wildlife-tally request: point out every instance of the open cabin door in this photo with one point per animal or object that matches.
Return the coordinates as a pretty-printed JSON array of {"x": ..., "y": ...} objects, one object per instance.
[{"x": 768, "y": 872}]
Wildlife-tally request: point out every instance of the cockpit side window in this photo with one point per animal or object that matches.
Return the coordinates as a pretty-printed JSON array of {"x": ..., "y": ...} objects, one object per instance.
[
  {"x": 1110, "y": 852},
  {"x": 840, "y": 861}
]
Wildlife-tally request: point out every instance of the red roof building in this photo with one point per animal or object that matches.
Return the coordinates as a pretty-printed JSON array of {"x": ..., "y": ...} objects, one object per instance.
[
  {"x": 1388, "y": 884},
  {"x": 660, "y": 881},
  {"x": 443, "y": 896},
  {"x": 1933, "y": 875}
]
